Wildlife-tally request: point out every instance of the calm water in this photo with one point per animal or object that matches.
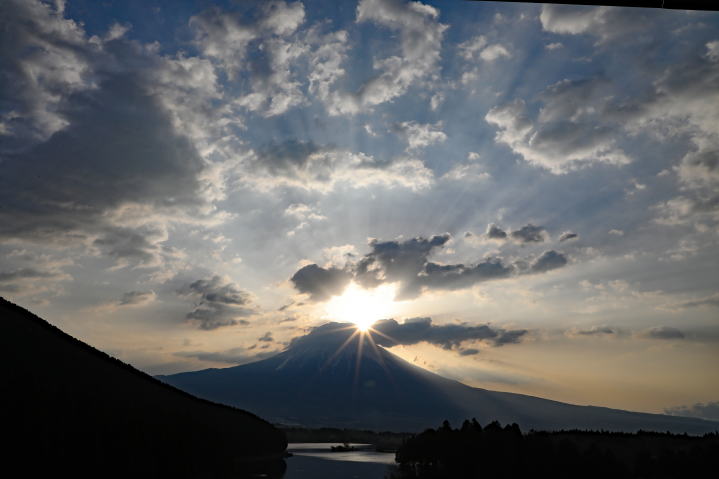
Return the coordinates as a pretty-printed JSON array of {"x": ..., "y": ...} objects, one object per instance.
[{"x": 316, "y": 461}]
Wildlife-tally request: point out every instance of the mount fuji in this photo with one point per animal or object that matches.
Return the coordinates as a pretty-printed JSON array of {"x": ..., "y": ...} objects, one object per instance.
[{"x": 336, "y": 377}]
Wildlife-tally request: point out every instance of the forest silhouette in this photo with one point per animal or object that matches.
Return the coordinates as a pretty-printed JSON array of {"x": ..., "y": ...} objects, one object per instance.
[{"x": 473, "y": 451}]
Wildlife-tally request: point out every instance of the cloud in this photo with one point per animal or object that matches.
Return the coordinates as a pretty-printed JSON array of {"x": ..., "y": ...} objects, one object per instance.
[
  {"x": 218, "y": 302},
  {"x": 607, "y": 23},
  {"x": 407, "y": 263},
  {"x": 136, "y": 298},
  {"x": 309, "y": 166},
  {"x": 320, "y": 283},
  {"x": 267, "y": 337},
  {"x": 529, "y": 234},
  {"x": 708, "y": 410},
  {"x": 228, "y": 356},
  {"x": 568, "y": 235},
  {"x": 662, "y": 332},
  {"x": 418, "y": 135},
  {"x": 226, "y": 38},
  {"x": 100, "y": 161},
  {"x": 420, "y": 36},
  {"x": 448, "y": 336},
  {"x": 569, "y": 131},
  {"x": 593, "y": 331},
  {"x": 548, "y": 261},
  {"x": 494, "y": 52},
  {"x": 389, "y": 333},
  {"x": 495, "y": 232},
  {"x": 711, "y": 301},
  {"x": 477, "y": 47}
]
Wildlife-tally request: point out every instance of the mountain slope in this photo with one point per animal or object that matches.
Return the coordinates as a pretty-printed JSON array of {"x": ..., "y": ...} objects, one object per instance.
[
  {"x": 70, "y": 408},
  {"x": 313, "y": 385}
]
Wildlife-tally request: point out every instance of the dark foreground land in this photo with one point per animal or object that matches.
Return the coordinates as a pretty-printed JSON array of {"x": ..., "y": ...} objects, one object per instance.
[
  {"x": 69, "y": 410},
  {"x": 472, "y": 451}
]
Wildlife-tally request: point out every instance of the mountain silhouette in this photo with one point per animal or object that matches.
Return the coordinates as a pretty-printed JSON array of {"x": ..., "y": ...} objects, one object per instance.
[
  {"x": 71, "y": 409},
  {"x": 333, "y": 377}
]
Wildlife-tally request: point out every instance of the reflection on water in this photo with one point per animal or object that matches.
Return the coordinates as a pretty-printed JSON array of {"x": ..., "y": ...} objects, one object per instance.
[{"x": 317, "y": 461}]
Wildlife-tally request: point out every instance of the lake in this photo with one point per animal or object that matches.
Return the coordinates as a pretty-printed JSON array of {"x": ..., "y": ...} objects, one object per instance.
[{"x": 316, "y": 461}]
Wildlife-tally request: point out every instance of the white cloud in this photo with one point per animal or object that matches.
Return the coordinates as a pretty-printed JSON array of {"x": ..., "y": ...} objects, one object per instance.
[
  {"x": 420, "y": 44},
  {"x": 419, "y": 135},
  {"x": 569, "y": 132},
  {"x": 494, "y": 52}
]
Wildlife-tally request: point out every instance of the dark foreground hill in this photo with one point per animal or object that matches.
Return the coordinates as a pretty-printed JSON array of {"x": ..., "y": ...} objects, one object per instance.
[
  {"x": 316, "y": 383},
  {"x": 69, "y": 408}
]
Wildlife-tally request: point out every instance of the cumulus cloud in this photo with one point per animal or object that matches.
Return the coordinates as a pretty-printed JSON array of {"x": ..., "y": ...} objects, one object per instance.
[
  {"x": 606, "y": 23},
  {"x": 320, "y": 283},
  {"x": 568, "y": 133},
  {"x": 114, "y": 170},
  {"x": 420, "y": 35},
  {"x": 407, "y": 263},
  {"x": 448, "y": 336},
  {"x": 708, "y": 410},
  {"x": 529, "y": 234},
  {"x": 226, "y": 38},
  {"x": 309, "y": 166},
  {"x": 478, "y": 47},
  {"x": 419, "y": 135},
  {"x": 495, "y": 232},
  {"x": 567, "y": 235},
  {"x": 218, "y": 302},
  {"x": 662, "y": 332},
  {"x": 389, "y": 333},
  {"x": 548, "y": 261}
]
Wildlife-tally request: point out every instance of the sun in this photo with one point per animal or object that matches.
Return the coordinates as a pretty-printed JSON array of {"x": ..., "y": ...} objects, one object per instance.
[{"x": 361, "y": 306}]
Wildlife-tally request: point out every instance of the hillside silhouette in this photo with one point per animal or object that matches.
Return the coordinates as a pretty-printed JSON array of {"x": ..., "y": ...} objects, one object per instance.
[
  {"x": 494, "y": 451},
  {"x": 71, "y": 409}
]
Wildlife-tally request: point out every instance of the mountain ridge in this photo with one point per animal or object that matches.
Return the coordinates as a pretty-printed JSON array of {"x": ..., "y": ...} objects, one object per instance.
[{"x": 313, "y": 385}]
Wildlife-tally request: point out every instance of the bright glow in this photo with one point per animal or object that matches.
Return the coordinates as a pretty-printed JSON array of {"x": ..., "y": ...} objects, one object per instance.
[{"x": 361, "y": 306}]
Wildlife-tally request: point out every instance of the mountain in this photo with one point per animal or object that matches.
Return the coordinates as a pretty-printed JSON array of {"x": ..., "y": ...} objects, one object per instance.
[
  {"x": 69, "y": 408},
  {"x": 317, "y": 382}
]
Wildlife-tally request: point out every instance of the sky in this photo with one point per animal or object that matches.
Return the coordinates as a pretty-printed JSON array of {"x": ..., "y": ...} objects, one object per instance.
[{"x": 530, "y": 193}]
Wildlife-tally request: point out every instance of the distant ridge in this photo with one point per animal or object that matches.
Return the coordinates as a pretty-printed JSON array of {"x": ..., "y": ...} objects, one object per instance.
[
  {"x": 72, "y": 408},
  {"x": 315, "y": 383}
]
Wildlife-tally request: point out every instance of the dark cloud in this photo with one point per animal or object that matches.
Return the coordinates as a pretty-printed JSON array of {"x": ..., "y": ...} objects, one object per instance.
[
  {"x": 320, "y": 283},
  {"x": 388, "y": 333},
  {"x": 92, "y": 155},
  {"x": 218, "y": 302},
  {"x": 529, "y": 234},
  {"x": 596, "y": 330},
  {"x": 567, "y": 235},
  {"x": 287, "y": 156},
  {"x": 25, "y": 273},
  {"x": 712, "y": 301},
  {"x": 28, "y": 279},
  {"x": 133, "y": 298},
  {"x": 495, "y": 232},
  {"x": 267, "y": 337},
  {"x": 548, "y": 261},
  {"x": 663, "y": 332},
  {"x": 448, "y": 336},
  {"x": 709, "y": 410},
  {"x": 468, "y": 352},
  {"x": 406, "y": 262}
]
